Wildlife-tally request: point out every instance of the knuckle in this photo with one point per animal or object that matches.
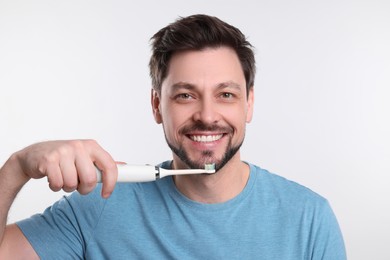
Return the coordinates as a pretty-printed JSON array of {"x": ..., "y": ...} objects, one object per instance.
[
  {"x": 112, "y": 167},
  {"x": 89, "y": 181},
  {"x": 55, "y": 186},
  {"x": 87, "y": 145},
  {"x": 70, "y": 186},
  {"x": 64, "y": 150},
  {"x": 46, "y": 161},
  {"x": 51, "y": 157},
  {"x": 76, "y": 144},
  {"x": 61, "y": 151},
  {"x": 91, "y": 142},
  {"x": 85, "y": 189},
  {"x": 42, "y": 167}
]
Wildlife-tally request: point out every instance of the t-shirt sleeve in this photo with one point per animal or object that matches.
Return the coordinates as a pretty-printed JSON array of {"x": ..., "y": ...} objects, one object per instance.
[
  {"x": 62, "y": 231},
  {"x": 328, "y": 243}
]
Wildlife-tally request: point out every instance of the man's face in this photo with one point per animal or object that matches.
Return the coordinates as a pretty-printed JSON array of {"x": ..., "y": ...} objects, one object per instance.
[{"x": 203, "y": 107}]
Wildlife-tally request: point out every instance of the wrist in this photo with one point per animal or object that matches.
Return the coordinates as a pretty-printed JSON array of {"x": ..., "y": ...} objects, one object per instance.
[{"x": 12, "y": 177}]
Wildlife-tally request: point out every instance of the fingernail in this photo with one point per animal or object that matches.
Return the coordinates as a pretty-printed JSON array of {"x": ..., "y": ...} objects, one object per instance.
[{"x": 106, "y": 195}]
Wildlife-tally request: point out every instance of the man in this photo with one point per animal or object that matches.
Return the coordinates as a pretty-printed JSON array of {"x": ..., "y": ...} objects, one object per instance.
[{"x": 202, "y": 73}]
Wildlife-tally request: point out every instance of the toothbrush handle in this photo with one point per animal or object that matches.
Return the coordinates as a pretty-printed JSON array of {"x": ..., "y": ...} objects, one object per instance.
[{"x": 133, "y": 173}]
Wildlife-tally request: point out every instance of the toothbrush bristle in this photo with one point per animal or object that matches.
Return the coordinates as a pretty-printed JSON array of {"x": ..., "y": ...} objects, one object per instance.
[{"x": 209, "y": 167}]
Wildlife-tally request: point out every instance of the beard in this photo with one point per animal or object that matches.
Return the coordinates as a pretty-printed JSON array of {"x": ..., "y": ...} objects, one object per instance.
[{"x": 208, "y": 156}]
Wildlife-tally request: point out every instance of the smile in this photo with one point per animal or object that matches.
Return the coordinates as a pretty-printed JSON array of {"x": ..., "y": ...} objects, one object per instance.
[{"x": 205, "y": 138}]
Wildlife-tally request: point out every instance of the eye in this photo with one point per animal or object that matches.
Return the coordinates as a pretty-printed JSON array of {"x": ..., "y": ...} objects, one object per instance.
[
  {"x": 183, "y": 96},
  {"x": 227, "y": 95}
]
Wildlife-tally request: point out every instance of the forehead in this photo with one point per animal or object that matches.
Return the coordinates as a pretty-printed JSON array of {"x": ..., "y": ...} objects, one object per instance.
[{"x": 210, "y": 66}]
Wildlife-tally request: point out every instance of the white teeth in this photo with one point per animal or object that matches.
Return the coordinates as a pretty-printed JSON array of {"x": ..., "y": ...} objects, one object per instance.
[{"x": 206, "y": 138}]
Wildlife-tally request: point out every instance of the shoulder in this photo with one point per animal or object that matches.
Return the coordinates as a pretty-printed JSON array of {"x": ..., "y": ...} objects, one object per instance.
[
  {"x": 276, "y": 188},
  {"x": 305, "y": 211}
]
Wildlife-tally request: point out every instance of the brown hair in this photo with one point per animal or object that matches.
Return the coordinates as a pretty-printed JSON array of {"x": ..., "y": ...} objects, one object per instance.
[{"x": 197, "y": 32}]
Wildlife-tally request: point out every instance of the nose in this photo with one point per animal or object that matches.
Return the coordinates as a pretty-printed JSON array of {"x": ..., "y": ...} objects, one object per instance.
[{"x": 207, "y": 112}]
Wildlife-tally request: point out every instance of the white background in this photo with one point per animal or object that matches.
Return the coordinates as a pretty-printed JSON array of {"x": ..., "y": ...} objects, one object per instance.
[{"x": 78, "y": 69}]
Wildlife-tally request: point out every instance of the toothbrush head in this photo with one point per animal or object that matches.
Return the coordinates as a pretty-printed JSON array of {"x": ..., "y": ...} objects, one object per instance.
[{"x": 209, "y": 168}]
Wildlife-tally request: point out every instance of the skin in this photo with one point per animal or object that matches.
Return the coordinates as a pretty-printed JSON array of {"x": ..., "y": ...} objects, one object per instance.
[
  {"x": 204, "y": 95},
  {"x": 67, "y": 165}
]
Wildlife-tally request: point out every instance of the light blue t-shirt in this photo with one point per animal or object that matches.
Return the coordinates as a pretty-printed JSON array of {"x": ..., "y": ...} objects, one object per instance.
[{"x": 272, "y": 218}]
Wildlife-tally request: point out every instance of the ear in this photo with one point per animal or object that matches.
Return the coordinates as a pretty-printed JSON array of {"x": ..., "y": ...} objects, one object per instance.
[
  {"x": 155, "y": 100},
  {"x": 250, "y": 103}
]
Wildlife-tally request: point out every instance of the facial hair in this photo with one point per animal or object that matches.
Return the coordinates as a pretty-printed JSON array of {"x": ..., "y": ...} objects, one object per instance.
[{"x": 207, "y": 155}]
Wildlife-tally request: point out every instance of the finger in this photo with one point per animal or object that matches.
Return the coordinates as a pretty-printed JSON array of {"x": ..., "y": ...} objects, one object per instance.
[
  {"x": 54, "y": 177},
  {"x": 109, "y": 170},
  {"x": 87, "y": 174},
  {"x": 120, "y": 162},
  {"x": 69, "y": 175}
]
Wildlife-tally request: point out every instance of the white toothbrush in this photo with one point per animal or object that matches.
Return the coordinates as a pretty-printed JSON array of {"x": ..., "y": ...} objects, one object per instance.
[{"x": 144, "y": 173}]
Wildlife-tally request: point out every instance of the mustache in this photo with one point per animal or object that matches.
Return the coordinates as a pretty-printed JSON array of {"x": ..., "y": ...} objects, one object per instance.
[{"x": 200, "y": 126}]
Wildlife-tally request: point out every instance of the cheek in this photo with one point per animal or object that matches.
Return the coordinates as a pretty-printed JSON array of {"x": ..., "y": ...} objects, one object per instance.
[
  {"x": 236, "y": 116},
  {"x": 173, "y": 118}
]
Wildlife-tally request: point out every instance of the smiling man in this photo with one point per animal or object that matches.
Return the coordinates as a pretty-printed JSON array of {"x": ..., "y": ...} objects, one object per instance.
[
  {"x": 202, "y": 72},
  {"x": 204, "y": 111}
]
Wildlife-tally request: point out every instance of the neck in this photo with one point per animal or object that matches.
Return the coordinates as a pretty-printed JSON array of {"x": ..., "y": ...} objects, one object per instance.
[{"x": 213, "y": 188}]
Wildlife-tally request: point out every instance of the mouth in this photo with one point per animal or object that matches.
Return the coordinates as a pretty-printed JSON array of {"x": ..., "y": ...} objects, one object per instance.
[{"x": 205, "y": 138}]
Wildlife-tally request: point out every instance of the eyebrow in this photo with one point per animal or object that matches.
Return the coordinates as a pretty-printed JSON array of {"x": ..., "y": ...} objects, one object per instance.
[
  {"x": 189, "y": 86},
  {"x": 229, "y": 84},
  {"x": 182, "y": 85}
]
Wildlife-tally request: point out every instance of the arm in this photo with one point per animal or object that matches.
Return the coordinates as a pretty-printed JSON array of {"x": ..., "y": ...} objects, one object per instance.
[
  {"x": 12, "y": 239},
  {"x": 329, "y": 243},
  {"x": 68, "y": 165}
]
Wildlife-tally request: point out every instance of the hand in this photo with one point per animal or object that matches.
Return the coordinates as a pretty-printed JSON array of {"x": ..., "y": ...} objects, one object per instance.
[{"x": 69, "y": 165}]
